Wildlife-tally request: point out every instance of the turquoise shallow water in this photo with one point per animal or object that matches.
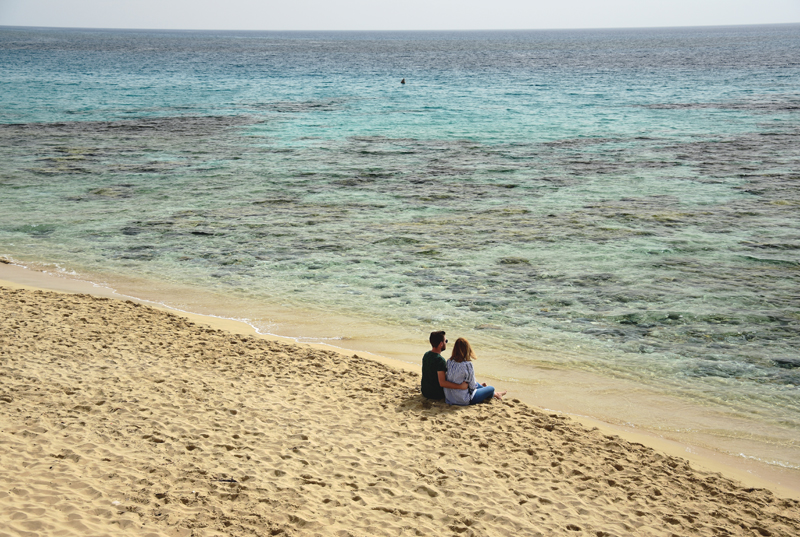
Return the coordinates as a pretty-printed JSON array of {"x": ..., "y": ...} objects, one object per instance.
[{"x": 624, "y": 202}]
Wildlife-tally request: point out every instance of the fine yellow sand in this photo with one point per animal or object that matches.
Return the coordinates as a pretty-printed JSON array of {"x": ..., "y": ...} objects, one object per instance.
[{"x": 117, "y": 418}]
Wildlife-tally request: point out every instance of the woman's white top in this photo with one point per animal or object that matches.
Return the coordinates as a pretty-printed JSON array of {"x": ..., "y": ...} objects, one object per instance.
[{"x": 458, "y": 372}]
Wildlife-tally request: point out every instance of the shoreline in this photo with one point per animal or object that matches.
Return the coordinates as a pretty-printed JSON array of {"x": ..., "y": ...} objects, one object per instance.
[{"x": 749, "y": 472}]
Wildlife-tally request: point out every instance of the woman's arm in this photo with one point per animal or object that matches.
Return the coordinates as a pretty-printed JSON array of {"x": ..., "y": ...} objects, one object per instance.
[{"x": 471, "y": 377}]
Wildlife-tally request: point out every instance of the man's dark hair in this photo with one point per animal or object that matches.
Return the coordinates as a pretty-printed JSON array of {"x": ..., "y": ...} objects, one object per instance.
[{"x": 436, "y": 338}]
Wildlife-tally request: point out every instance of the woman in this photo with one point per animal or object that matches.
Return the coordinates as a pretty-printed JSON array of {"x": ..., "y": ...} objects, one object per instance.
[{"x": 459, "y": 369}]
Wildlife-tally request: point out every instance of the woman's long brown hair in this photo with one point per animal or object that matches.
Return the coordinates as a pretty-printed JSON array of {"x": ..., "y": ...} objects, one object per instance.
[{"x": 462, "y": 351}]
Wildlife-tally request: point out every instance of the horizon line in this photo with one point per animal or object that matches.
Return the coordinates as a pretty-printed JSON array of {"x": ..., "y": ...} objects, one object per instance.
[{"x": 102, "y": 28}]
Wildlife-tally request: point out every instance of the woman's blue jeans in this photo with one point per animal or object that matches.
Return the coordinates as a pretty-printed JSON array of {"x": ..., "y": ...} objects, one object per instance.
[{"x": 482, "y": 394}]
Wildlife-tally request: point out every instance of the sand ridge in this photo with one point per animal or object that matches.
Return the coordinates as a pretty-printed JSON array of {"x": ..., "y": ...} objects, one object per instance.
[{"x": 118, "y": 418}]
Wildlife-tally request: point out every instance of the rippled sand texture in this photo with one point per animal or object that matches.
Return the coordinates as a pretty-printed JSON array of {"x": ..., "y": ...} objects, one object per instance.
[{"x": 118, "y": 418}]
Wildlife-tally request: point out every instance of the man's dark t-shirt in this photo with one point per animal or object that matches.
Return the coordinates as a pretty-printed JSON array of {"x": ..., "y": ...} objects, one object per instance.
[{"x": 432, "y": 363}]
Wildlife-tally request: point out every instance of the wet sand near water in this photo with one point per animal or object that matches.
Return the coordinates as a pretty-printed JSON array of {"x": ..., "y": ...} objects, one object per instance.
[{"x": 119, "y": 417}]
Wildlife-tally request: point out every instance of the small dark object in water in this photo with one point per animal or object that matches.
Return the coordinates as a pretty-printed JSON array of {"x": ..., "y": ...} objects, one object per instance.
[{"x": 403, "y": 81}]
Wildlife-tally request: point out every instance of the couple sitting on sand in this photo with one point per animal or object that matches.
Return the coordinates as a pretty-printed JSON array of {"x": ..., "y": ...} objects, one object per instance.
[{"x": 453, "y": 380}]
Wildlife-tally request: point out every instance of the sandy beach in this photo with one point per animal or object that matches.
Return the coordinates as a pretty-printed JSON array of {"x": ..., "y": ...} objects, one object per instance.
[{"x": 119, "y": 418}]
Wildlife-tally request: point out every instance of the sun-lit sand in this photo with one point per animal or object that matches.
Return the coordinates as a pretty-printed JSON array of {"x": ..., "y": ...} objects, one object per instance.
[{"x": 118, "y": 418}]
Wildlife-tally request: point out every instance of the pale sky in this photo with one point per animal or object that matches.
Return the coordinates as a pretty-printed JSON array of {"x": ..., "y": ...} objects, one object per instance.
[{"x": 393, "y": 14}]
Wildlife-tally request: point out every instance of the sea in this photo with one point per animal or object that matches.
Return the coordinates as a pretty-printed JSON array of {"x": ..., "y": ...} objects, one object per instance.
[{"x": 611, "y": 217}]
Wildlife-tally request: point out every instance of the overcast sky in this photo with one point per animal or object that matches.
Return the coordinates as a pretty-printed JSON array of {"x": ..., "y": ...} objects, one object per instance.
[{"x": 392, "y": 14}]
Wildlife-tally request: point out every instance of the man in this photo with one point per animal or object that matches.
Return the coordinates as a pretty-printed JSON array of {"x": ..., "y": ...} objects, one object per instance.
[{"x": 434, "y": 369}]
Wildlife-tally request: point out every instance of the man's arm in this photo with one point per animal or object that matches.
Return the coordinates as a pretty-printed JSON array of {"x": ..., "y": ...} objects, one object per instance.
[{"x": 447, "y": 384}]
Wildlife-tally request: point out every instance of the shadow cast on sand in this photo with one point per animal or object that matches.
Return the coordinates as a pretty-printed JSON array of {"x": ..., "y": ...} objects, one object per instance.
[{"x": 417, "y": 402}]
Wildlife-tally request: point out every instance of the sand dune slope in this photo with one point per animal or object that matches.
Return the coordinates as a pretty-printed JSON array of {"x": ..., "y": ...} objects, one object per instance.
[{"x": 119, "y": 419}]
